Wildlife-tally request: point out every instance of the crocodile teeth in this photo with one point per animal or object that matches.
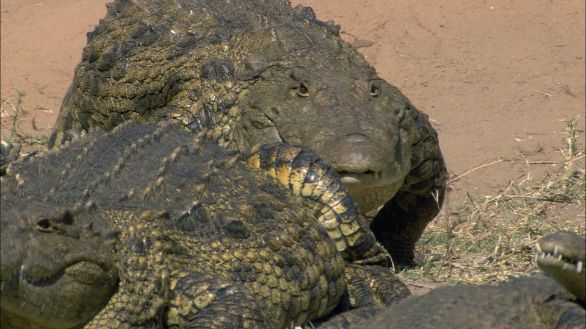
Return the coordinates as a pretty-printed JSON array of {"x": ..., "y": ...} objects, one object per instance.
[
  {"x": 21, "y": 276},
  {"x": 556, "y": 251}
]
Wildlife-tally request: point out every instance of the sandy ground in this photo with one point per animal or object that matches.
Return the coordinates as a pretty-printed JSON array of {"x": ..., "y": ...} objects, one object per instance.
[{"x": 497, "y": 78}]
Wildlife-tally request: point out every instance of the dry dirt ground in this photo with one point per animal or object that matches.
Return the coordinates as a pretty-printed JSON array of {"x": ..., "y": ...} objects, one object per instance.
[{"x": 497, "y": 78}]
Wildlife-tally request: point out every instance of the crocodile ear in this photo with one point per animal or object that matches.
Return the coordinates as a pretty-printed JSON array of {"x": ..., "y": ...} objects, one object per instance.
[{"x": 66, "y": 217}]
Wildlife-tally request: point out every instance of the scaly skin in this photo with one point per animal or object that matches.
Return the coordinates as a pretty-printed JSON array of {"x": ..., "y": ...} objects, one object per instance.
[
  {"x": 259, "y": 72},
  {"x": 149, "y": 226},
  {"x": 528, "y": 302}
]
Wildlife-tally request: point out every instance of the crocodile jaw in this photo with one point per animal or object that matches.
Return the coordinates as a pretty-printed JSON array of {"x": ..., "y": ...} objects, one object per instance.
[
  {"x": 561, "y": 256},
  {"x": 371, "y": 191},
  {"x": 49, "y": 301}
]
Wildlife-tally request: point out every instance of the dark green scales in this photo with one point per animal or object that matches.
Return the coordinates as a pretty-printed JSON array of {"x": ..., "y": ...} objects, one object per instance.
[
  {"x": 258, "y": 72},
  {"x": 152, "y": 227}
]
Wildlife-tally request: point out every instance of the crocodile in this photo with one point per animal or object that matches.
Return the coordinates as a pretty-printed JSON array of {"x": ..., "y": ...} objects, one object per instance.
[
  {"x": 562, "y": 256},
  {"x": 258, "y": 72},
  {"x": 535, "y": 301},
  {"x": 152, "y": 226}
]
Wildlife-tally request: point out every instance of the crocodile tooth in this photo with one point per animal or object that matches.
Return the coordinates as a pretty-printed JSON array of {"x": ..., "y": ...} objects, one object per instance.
[
  {"x": 579, "y": 266},
  {"x": 21, "y": 274},
  {"x": 555, "y": 250}
]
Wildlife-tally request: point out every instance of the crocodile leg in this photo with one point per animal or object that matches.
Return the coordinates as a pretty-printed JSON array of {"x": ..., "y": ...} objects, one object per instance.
[
  {"x": 401, "y": 221},
  {"x": 139, "y": 301},
  {"x": 369, "y": 287},
  {"x": 202, "y": 301},
  {"x": 372, "y": 285},
  {"x": 143, "y": 290},
  {"x": 562, "y": 314}
]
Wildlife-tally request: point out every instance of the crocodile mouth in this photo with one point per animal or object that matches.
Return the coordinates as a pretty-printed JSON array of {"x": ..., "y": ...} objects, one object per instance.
[
  {"x": 554, "y": 259},
  {"x": 82, "y": 271},
  {"x": 561, "y": 256},
  {"x": 64, "y": 297},
  {"x": 368, "y": 178},
  {"x": 371, "y": 189}
]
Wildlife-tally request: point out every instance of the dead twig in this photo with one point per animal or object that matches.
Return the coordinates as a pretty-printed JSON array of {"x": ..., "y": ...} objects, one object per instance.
[{"x": 476, "y": 168}]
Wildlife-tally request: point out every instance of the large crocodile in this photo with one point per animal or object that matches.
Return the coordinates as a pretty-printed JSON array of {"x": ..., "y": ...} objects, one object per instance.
[
  {"x": 257, "y": 72},
  {"x": 528, "y": 302},
  {"x": 150, "y": 226}
]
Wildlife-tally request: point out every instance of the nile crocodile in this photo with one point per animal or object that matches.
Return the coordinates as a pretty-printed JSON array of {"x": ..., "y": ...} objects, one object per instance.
[
  {"x": 150, "y": 226},
  {"x": 257, "y": 72},
  {"x": 528, "y": 302}
]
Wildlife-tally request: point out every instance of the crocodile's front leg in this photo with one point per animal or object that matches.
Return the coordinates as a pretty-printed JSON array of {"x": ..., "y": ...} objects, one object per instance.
[
  {"x": 201, "y": 301},
  {"x": 144, "y": 285}
]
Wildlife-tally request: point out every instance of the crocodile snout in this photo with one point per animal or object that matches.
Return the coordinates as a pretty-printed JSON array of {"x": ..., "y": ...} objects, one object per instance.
[{"x": 357, "y": 153}]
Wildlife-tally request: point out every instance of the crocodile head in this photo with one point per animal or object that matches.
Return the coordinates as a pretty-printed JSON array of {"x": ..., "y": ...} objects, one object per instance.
[
  {"x": 340, "y": 109},
  {"x": 53, "y": 272},
  {"x": 562, "y": 255}
]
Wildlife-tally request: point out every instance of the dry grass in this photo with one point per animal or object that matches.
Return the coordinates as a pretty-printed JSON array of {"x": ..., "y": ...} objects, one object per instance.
[
  {"x": 480, "y": 241},
  {"x": 492, "y": 239},
  {"x": 13, "y": 108}
]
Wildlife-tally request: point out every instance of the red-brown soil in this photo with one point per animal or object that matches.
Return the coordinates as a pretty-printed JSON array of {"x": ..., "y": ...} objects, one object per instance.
[{"x": 497, "y": 78}]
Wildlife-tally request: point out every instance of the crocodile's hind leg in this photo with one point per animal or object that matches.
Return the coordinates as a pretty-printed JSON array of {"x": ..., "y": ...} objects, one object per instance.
[
  {"x": 202, "y": 301},
  {"x": 401, "y": 221},
  {"x": 372, "y": 285},
  {"x": 368, "y": 289}
]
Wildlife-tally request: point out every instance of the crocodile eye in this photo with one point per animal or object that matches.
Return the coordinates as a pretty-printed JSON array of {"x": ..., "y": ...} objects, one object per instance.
[
  {"x": 374, "y": 91},
  {"x": 302, "y": 90},
  {"x": 44, "y": 225}
]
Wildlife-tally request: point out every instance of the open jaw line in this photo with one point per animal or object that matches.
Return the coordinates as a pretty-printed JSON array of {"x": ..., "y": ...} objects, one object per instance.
[
  {"x": 368, "y": 178},
  {"x": 554, "y": 258},
  {"x": 56, "y": 275}
]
